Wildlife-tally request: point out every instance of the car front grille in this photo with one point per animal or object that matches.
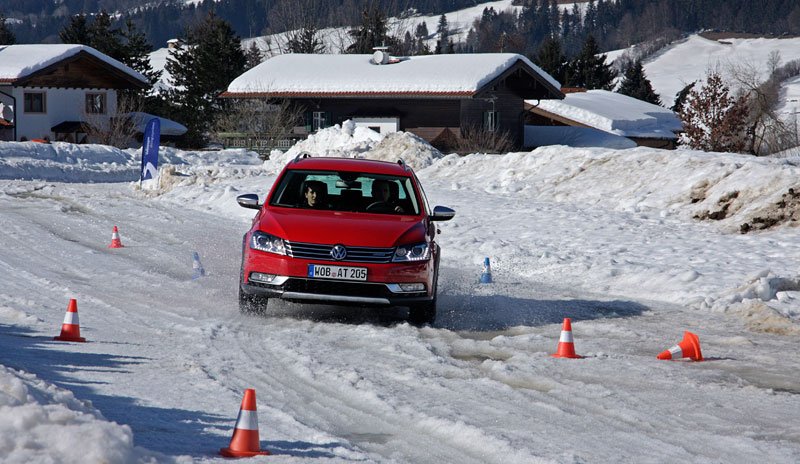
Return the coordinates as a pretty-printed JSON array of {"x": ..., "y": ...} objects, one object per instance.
[{"x": 354, "y": 254}]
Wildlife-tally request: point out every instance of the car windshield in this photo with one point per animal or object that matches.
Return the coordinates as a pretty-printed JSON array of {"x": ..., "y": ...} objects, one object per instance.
[{"x": 346, "y": 191}]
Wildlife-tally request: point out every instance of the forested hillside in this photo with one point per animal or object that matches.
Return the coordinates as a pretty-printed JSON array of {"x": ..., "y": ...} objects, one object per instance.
[
  {"x": 39, "y": 21},
  {"x": 615, "y": 24}
]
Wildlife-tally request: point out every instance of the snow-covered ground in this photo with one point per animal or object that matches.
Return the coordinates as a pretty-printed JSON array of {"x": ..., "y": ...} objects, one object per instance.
[{"x": 605, "y": 237}]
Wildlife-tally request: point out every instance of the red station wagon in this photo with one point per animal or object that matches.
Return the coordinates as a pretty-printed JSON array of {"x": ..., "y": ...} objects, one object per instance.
[{"x": 345, "y": 232}]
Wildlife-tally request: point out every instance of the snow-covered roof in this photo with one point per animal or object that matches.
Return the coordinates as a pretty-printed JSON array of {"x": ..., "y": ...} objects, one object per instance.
[
  {"x": 18, "y": 61},
  {"x": 453, "y": 74},
  {"x": 614, "y": 113}
]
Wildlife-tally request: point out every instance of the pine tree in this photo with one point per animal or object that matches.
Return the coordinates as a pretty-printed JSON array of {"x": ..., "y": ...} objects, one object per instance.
[
  {"x": 712, "y": 119},
  {"x": 635, "y": 84},
  {"x": 136, "y": 52},
  {"x": 201, "y": 68},
  {"x": 6, "y": 35},
  {"x": 554, "y": 17},
  {"x": 76, "y": 31},
  {"x": 551, "y": 59},
  {"x": 371, "y": 33},
  {"x": 253, "y": 56},
  {"x": 306, "y": 40},
  {"x": 590, "y": 71},
  {"x": 442, "y": 31},
  {"x": 105, "y": 38},
  {"x": 420, "y": 45},
  {"x": 421, "y": 30},
  {"x": 680, "y": 98},
  {"x": 97, "y": 33}
]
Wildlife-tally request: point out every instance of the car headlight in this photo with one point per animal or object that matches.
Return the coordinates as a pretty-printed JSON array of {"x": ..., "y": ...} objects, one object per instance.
[
  {"x": 417, "y": 252},
  {"x": 266, "y": 242}
]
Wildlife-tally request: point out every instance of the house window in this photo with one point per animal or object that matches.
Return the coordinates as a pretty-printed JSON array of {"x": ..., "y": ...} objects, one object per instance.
[
  {"x": 319, "y": 120},
  {"x": 34, "y": 102},
  {"x": 95, "y": 103},
  {"x": 490, "y": 120}
]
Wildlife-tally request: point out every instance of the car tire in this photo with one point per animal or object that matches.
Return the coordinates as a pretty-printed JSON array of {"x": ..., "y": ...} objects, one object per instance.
[
  {"x": 252, "y": 304},
  {"x": 422, "y": 313}
]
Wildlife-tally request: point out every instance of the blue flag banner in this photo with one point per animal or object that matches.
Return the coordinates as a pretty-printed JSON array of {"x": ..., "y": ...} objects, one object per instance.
[{"x": 152, "y": 136}]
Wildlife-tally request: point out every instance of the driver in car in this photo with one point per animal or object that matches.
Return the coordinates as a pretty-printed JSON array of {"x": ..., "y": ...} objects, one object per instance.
[
  {"x": 314, "y": 195},
  {"x": 382, "y": 193}
]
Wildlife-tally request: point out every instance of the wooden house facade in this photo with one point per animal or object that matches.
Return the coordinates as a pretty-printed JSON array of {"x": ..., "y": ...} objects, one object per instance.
[
  {"x": 52, "y": 92},
  {"x": 435, "y": 97}
]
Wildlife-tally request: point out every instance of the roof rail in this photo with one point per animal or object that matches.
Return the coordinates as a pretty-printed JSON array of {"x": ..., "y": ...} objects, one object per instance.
[
  {"x": 300, "y": 156},
  {"x": 403, "y": 163}
]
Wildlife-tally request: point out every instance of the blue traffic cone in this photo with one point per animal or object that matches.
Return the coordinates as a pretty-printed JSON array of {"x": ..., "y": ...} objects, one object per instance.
[
  {"x": 197, "y": 267},
  {"x": 486, "y": 275}
]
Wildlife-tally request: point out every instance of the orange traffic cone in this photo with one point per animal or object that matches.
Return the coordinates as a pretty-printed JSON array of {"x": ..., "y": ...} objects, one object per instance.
[
  {"x": 566, "y": 346},
  {"x": 71, "y": 328},
  {"x": 244, "y": 442},
  {"x": 689, "y": 347},
  {"x": 115, "y": 241}
]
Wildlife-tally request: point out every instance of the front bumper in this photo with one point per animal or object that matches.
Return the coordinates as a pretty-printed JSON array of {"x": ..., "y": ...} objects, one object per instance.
[{"x": 335, "y": 292}]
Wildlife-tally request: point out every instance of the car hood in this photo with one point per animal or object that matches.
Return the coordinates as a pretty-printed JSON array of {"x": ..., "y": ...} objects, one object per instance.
[{"x": 332, "y": 227}]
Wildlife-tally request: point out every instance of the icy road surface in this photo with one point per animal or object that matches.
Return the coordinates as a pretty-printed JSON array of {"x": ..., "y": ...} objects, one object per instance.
[{"x": 171, "y": 357}]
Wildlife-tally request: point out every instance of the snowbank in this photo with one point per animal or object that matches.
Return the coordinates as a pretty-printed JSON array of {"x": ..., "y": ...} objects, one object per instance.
[
  {"x": 728, "y": 188},
  {"x": 65, "y": 162},
  {"x": 40, "y": 422},
  {"x": 349, "y": 141}
]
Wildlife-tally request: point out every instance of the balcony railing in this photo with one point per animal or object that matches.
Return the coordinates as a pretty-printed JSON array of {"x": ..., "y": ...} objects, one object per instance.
[{"x": 260, "y": 144}]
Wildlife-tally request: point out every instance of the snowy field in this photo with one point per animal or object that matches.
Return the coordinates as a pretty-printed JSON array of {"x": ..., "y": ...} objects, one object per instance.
[
  {"x": 691, "y": 59},
  {"x": 605, "y": 237}
]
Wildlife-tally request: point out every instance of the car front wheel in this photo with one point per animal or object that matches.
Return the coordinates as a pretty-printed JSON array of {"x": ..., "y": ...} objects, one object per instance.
[
  {"x": 252, "y": 304},
  {"x": 422, "y": 313}
]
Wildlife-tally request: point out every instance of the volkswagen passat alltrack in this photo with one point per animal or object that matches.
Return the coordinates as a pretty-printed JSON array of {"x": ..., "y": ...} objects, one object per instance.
[{"x": 344, "y": 232}]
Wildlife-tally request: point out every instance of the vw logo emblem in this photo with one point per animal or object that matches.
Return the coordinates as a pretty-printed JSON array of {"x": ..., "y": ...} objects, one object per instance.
[{"x": 338, "y": 252}]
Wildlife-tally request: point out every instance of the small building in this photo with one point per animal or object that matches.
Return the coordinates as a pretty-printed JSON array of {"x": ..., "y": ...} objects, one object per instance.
[
  {"x": 54, "y": 91},
  {"x": 620, "y": 115},
  {"x": 434, "y": 96}
]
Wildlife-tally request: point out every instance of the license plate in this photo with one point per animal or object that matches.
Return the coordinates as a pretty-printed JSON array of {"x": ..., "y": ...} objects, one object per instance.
[{"x": 322, "y": 271}]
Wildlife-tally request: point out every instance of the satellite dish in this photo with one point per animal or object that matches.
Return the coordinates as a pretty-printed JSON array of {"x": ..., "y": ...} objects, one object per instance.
[{"x": 380, "y": 57}]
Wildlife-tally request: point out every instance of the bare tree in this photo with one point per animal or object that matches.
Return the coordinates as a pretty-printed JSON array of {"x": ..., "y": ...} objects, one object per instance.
[
  {"x": 262, "y": 123},
  {"x": 339, "y": 39},
  {"x": 119, "y": 130},
  {"x": 767, "y": 132},
  {"x": 477, "y": 139}
]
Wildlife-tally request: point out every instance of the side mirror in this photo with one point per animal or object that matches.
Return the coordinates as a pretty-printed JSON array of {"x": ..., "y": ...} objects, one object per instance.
[
  {"x": 442, "y": 213},
  {"x": 248, "y": 200}
]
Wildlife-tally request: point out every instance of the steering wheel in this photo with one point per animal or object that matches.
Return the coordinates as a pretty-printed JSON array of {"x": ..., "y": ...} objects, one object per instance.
[{"x": 378, "y": 206}]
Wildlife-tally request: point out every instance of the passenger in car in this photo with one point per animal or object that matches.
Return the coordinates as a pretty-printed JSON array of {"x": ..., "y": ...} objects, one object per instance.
[
  {"x": 315, "y": 195},
  {"x": 383, "y": 196}
]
